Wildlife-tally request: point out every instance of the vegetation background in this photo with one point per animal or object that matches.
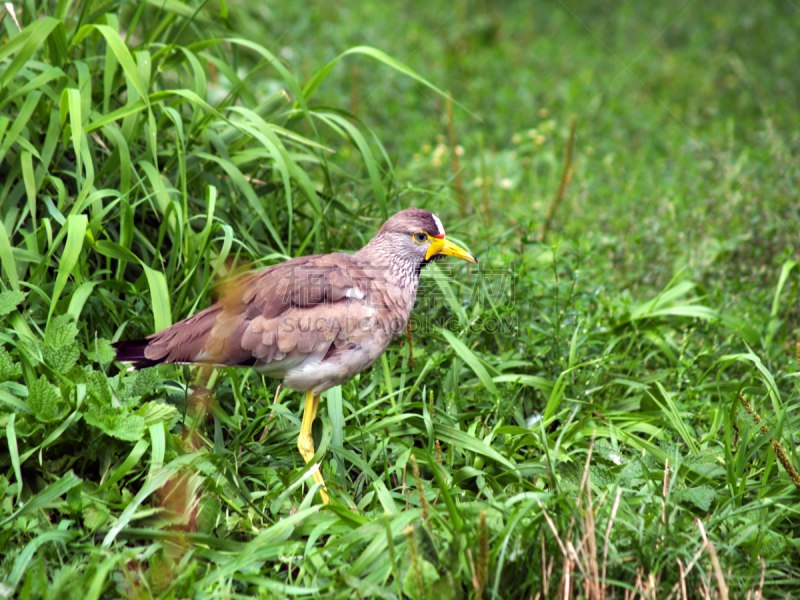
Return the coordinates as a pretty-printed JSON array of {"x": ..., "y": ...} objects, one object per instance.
[{"x": 607, "y": 410}]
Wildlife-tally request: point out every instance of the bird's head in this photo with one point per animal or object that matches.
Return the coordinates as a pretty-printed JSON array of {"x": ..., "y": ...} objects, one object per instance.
[{"x": 417, "y": 236}]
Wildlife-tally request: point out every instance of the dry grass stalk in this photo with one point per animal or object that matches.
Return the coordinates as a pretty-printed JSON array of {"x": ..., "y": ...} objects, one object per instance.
[
  {"x": 8, "y": 8},
  {"x": 487, "y": 213},
  {"x": 566, "y": 583},
  {"x": 592, "y": 585},
  {"x": 652, "y": 588},
  {"x": 682, "y": 581},
  {"x": 474, "y": 572},
  {"x": 614, "y": 508},
  {"x": 565, "y": 587},
  {"x": 664, "y": 489},
  {"x": 410, "y": 339},
  {"x": 552, "y": 528},
  {"x": 637, "y": 586},
  {"x": 566, "y": 177},
  {"x": 545, "y": 585},
  {"x": 571, "y": 560},
  {"x": 703, "y": 590},
  {"x": 712, "y": 551},
  {"x": 584, "y": 479},
  {"x": 455, "y": 162},
  {"x": 684, "y": 573}
]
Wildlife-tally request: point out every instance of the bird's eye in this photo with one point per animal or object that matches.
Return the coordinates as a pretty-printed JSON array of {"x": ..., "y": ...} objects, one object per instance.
[{"x": 420, "y": 237}]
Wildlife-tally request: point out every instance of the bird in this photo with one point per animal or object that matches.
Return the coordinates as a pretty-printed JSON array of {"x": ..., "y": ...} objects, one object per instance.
[{"x": 313, "y": 321}]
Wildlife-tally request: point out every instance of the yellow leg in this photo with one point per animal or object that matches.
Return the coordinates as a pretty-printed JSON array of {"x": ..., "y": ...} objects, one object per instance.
[{"x": 305, "y": 442}]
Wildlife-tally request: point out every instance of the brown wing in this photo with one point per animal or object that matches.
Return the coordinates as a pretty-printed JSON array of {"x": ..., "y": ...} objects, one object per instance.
[{"x": 303, "y": 306}]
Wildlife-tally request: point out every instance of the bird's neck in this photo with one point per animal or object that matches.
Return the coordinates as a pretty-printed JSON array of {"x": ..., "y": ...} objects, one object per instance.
[
  {"x": 404, "y": 274},
  {"x": 388, "y": 265},
  {"x": 397, "y": 276}
]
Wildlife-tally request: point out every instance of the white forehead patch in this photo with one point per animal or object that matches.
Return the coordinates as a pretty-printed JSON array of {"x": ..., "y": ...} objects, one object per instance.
[{"x": 438, "y": 224}]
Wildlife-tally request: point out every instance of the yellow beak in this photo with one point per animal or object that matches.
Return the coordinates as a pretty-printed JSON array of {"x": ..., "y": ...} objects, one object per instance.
[{"x": 440, "y": 245}]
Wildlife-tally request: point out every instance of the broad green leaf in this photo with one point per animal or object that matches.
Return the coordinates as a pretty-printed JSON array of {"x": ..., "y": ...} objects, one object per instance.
[
  {"x": 143, "y": 382},
  {"x": 100, "y": 351},
  {"x": 9, "y": 368},
  {"x": 97, "y": 386},
  {"x": 116, "y": 422},
  {"x": 44, "y": 401},
  {"x": 155, "y": 412},
  {"x": 61, "y": 351},
  {"x": 63, "y": 331},
  {"x": 701, "y": 496},
  {"x": 62, "y": 358},
  {"x": 9, "y": 300}
]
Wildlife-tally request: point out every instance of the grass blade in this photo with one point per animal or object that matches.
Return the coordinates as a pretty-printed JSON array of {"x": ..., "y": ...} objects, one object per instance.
[
  {"x": 471, "y": 359},
  {"x": 76, "y": 230}
]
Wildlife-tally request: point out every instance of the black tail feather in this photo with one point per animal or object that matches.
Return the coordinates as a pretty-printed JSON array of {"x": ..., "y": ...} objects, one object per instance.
[{"x": 132, "y": 351}]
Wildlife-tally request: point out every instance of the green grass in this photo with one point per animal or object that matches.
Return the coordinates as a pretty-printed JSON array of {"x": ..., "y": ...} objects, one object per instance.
[{"x": 149, "y": 150}]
